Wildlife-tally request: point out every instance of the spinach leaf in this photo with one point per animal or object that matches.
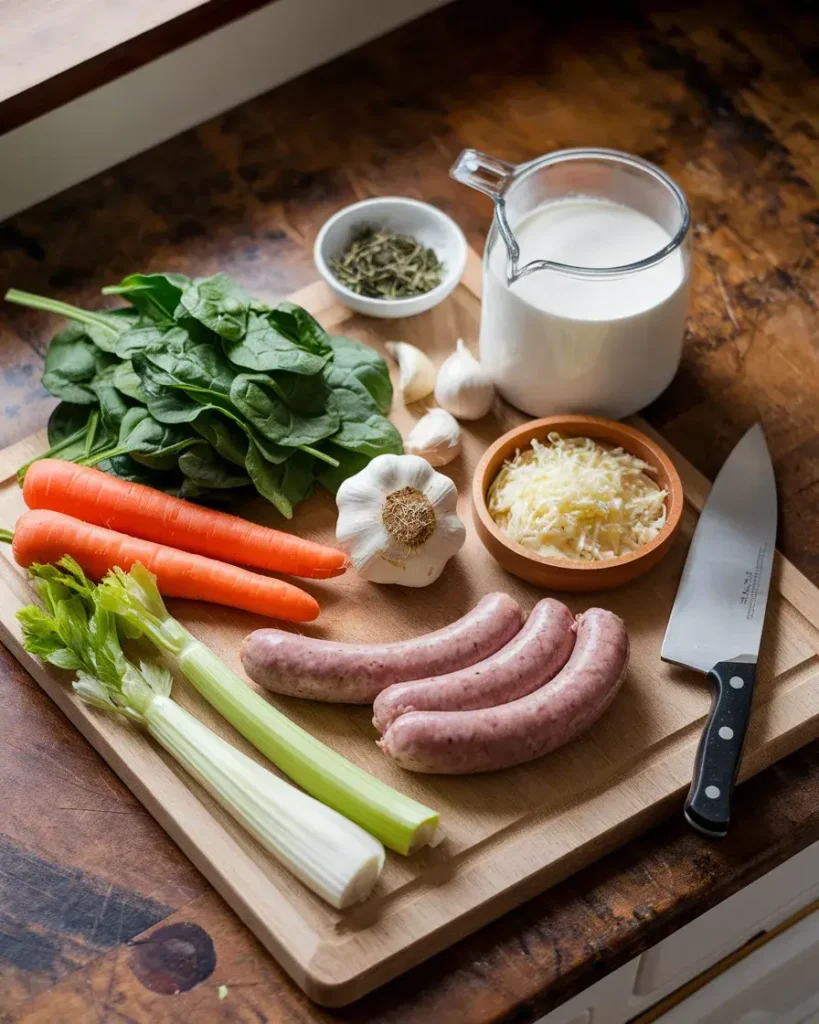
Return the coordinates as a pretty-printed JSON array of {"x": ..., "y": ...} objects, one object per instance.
[
  {"x": 124, "y": 467},
  {"x": 116, "y": 323},
  {"x": 362, "y": 429},
  {"x": 303, "y": 327},
  {"x": 203, "y": 466},
  {"x": 103, "y": 327},
  {"x": 219, "y": 303},
  {"x": 224, "y": 436},
  {"x": 352, "y": 359},
  {"x": 297, "y": 478},
  {"x": 66, "y": 421},
  {"x": 67, "y": 431},
  {"x": 192, "y": 360},
  {"x": 172, "y": 401},
  {"x": 152, "y": 444},
  {"x": 132, "y": 418},
  {"x": 196, "y": 384},
  {"x": 285, "y": 485},
  {"x": 165, "y": 403},
  {"x": 155, "y": 445},
  {"x": 265, "y": 478},
  {"x": 275, "y": 453},
  {"x": 140, "y": 337},
  {"x": 265, "y": 347},
  {"x": 307, "y": 395},
  {"x": 154, "y": 295},
  {"x": 112, "y": 405},
  {"x": 273, "y": 419},
  {"x": 372, "y": 436},
  {"x": 71, "y": 363},
  {"x": 349, "y": 463},
  {"x": 127, "y": 382}
]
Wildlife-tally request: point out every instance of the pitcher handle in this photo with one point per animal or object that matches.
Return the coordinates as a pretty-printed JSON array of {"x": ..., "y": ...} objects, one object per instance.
[
  {"x": 491, "y": 176},
  {"x": 485, "y": 173}
]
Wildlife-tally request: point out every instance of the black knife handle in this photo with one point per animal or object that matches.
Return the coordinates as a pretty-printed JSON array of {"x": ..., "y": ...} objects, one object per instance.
[{"x": 708, "y": 804}]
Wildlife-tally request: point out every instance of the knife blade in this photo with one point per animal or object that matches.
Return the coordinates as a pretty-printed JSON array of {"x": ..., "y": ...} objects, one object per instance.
[{"x": 718, "y": 615}]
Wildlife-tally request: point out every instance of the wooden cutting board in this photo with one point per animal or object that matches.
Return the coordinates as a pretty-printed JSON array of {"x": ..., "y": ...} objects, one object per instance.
[{"x": 508, "y": 835}]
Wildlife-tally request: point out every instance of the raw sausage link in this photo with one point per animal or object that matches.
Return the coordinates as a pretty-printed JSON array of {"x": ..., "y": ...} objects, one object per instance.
[
  {"x": 356, "y": 673},
  {"x": 461, "y": 742},
  {"x": 530, "y": 659}
]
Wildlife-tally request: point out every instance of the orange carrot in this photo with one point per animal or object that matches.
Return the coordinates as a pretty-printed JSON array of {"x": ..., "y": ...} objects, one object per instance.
[
  {"x": 140, "y": 511},
  {"x": 45, "y": 536}
]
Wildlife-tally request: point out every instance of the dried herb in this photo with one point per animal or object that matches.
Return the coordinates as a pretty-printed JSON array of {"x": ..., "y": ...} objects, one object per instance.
[{"x": 381, "y": 265}]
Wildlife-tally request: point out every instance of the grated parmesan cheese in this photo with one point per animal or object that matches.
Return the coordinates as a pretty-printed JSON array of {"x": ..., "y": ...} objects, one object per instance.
[{"x": 574, "y": 498}]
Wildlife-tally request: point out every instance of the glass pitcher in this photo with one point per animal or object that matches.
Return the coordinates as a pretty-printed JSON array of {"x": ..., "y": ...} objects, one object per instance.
[{"x": 585, "y": 280}]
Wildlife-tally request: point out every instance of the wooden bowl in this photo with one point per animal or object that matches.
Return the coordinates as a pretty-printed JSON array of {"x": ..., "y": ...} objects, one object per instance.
[{"x": 564, "y": 573}]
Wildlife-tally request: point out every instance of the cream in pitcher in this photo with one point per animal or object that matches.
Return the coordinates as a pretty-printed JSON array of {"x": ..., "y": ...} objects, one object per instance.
[{"x": 585, "y": 280}]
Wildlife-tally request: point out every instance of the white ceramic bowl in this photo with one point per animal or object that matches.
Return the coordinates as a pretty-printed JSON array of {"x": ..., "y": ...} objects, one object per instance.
[{"x": 403, "y": 217}]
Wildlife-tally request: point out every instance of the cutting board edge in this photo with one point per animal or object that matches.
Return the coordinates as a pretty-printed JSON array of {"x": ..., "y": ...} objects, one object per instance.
[
  {"x": 322, "y": 965},
  {"x": 331, "y": 983}
]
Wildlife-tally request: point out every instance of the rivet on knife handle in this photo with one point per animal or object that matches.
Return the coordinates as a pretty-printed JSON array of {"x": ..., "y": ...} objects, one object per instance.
[{"x": 708, "y": 805}]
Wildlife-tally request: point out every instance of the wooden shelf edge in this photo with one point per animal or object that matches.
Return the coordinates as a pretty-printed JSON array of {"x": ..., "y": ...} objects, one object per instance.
[{"x": 19, "y": 108}]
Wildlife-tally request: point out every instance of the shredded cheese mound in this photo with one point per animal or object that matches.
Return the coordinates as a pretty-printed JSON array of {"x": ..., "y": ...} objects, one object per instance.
[{"x": 573, "y": 498}]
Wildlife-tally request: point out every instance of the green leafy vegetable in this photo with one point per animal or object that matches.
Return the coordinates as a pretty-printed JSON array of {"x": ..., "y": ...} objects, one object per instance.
[
  {"x": 104, "y": 328},
  {"x": 126, "y": 381},
  {"x": 252, "y": 396},
  {"x": 71, "y": 363},
  {"x": 197, "y": 389},
  {"x": 348, "y": 463},
  {"x": 307, "y": 395},
  {"x": 112, "y": 406},
  {"x": 66, "y": 422},
  {"x": 218, "y": 303},
  {"x": 205, "y": 468},
  {"x": 224, "y": 436},
  {"x": 303, "y": 327},
  {"x": 156, "y": 296},
  {"x": 351, "y": 359},
  {"x": 265, "y": 347}
]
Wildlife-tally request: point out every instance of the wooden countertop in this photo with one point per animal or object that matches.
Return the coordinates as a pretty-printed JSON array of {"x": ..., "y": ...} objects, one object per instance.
[{"x": 103, "y": 916}]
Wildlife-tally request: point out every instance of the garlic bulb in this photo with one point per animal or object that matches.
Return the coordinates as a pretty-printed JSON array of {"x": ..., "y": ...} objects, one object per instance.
[
  {"x": 397, "y": 521},
  {"x": 436, "y": 437},
  {"x": 463, "y": 387},
  {"x": 416, "y": 374}
]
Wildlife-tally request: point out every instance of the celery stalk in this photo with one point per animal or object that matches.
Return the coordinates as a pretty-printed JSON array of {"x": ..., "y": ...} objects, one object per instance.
[
  {"x": 332, "y": 856},
  {"x": 329, "y": 854},
  {"x": 401, "y": 823}
]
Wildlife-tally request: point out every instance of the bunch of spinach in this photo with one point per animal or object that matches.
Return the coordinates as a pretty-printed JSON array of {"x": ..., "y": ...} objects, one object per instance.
[{"x": 197, "y": 389}]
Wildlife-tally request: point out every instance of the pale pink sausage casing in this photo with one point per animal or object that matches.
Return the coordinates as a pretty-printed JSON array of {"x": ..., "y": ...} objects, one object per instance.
[
  {"x": 530, "y": 659},
  {"x": 302, "y": 666},
  {"x": 462, "y": 742}
]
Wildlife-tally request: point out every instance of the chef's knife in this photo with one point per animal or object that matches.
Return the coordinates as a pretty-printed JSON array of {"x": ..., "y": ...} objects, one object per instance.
[{"x": 716, "y": 622}]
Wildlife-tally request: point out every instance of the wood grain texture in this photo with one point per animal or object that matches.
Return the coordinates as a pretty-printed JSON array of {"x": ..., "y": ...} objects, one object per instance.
[
  {"x": 51, "y": 53},
  {"x": 726, "y": 100},
  {"x": 506, "y": 835}
]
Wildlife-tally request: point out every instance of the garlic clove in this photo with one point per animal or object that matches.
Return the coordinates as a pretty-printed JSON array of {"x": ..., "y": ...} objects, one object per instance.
[
  {"x": 416, "y": 374},
  {"x": 463, "y": 386},
  {"x": 436, "y": 437}
]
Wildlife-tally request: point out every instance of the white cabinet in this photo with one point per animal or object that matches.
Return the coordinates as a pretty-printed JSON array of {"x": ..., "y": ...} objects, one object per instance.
[
  {"x": 776, "y": 984},
  {"x": 761, "y": 906}
]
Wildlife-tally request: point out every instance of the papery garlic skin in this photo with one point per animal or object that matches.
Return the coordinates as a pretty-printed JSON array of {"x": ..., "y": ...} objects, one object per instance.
[
  {"x": 397, "y": 521},
  {"x": 416, "y": 374},
  {"x": 463, "y": 386},
  {"x": 436, "y": 437}
]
